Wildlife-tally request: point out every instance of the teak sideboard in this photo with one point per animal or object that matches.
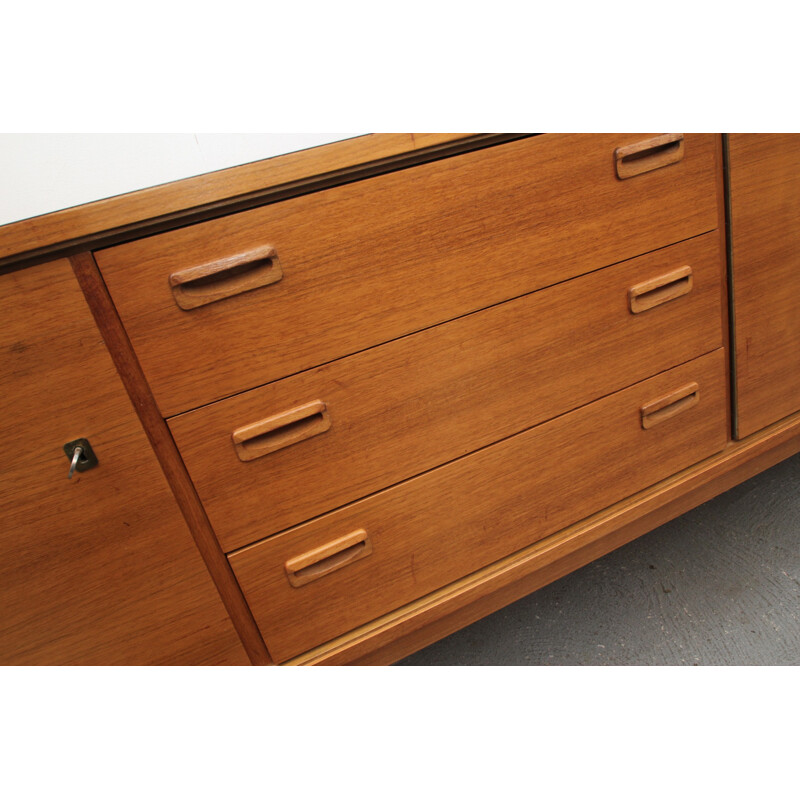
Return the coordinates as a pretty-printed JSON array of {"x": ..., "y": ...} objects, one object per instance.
[{"x": 330, "y": 407}]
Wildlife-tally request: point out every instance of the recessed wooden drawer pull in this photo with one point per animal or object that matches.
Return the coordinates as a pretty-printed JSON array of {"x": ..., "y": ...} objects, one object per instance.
[
  {"x": 670, "y": 405},
  {"x": 332, "y": 556},
  {"x": 660, "y": 151},
  {"x": 662, "y": 289},
  {"x": 199, "y": 286},
  {"x": 281, "y": 430}
]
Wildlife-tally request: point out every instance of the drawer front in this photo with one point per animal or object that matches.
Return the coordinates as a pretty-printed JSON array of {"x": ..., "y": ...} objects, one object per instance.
[
  {"x": 326, "y": 437},
  {"x": 220, "y": 307},
  {"x": 319, "y": 580}
]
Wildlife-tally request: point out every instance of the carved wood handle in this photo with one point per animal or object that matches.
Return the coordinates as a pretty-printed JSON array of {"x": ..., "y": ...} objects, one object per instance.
[
  {"x": 660, "y": 151},
  {"x": 670, "y": 405},
  {"x": 225, "y": 277},
  {"x": 281, "y": 430},
  {"x": 656, "y": 291},
  {"x": 328, "y": 558}
]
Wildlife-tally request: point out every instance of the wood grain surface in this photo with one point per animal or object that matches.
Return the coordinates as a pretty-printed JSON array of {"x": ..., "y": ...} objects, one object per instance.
[
  {"x": 410, "y": 405},
  {"x": 99, "y": 569},
  {"x": 443, "y": 525},
  {"x": 377, "y": 259},
  {"x": 765, "y": 209}
]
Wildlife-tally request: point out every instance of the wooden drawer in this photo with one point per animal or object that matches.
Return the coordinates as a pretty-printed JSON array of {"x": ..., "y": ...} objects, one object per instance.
[
  {"x": 321, "y": 579},
  {"x": 367, "y": 262},
  {"x": 370, "y": 420}
]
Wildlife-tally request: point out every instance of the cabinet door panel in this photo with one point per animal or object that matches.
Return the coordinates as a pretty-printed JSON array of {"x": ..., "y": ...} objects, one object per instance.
[
  {"x": 765, "y": 228},
  {"x": 99, "y": 569}
]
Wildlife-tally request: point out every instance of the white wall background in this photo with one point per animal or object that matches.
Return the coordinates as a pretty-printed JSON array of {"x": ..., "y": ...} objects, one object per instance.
[{"x": 44, "y": 172}]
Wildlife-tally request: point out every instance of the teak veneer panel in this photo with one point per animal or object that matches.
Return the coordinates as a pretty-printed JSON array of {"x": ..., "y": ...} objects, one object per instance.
[
  {"x": 765, "y": 231},
  {"x": 376, "y": 259},
  {"x": 441, "y": 526},
  {"x": 99, "y": 569},
  {"x": 410, "y": 405}
]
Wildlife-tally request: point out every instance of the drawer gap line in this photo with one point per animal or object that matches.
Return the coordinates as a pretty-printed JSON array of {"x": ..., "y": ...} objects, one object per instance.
[{"x": 238, "y": 550}]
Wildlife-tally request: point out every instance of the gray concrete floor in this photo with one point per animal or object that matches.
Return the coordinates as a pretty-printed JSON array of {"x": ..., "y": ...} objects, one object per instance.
[{"x": 718, "y": 586}]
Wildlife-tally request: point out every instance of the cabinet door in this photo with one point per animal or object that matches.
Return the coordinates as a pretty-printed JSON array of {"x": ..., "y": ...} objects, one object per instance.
[
  {"x": 765, "y": 228},
  {"x": 99, "y": 569}
]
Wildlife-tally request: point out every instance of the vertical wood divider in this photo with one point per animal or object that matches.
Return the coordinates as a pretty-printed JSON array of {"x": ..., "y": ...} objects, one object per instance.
[
  {"x": 730, "y": 331},
  {"x": 727, "y": 309},
  {"x": 127, "y": 364}
]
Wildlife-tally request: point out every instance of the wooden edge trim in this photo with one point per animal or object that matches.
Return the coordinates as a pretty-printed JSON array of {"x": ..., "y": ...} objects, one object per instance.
[
  {"x": 189, "y": 200},
  {"x": 116, "y": 339},
  {"x": 441, "y": 613}
]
